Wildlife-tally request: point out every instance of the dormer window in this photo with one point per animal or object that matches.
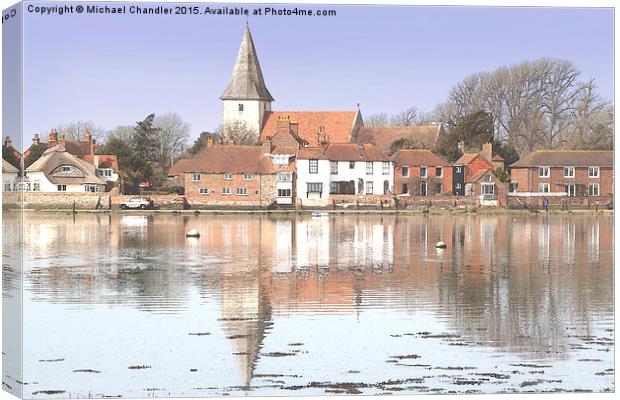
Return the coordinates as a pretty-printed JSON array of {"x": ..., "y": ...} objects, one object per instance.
[{"x": 240, "y": 107}]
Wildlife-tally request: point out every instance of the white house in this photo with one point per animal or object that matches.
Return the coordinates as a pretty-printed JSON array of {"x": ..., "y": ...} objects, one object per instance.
[
  {"x": 342, "y": 169},
  {"x": 10, "y": 176},
  {"x": 60, "y": 171}
]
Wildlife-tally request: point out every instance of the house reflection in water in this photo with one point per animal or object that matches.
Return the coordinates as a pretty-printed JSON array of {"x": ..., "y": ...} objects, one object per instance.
[{"x": 514, "y": 284}]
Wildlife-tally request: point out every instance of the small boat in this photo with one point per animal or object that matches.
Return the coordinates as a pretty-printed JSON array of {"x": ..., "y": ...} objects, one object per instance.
[{"x": 319, "y": 214}]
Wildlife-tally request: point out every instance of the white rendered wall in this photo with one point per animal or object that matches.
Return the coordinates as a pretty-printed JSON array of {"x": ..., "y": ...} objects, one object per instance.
[
  {"x": 304, "y": 176},
  {"x": 253, "y": 112}
]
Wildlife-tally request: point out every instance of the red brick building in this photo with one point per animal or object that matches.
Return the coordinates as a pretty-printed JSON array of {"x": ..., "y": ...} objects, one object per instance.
[
  {"x": 572, "y": 173},
  {"x": 421, "y": 173}
]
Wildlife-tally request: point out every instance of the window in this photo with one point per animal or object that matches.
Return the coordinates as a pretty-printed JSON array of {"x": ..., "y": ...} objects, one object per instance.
[
  {"x": 512, "y": 186},
  {"x": 65, "y": 168},
  {"x": 439, "y": 172},
  {"x": 314, "y": 166},
  {"x": 593, "y": 172},
  {"x": 543, "y": 187},
  {"x": 385, "y": 167},
  {"x": 62, "y": 188},
  {"x": 569, "y": 172},
  {"x": 488, "y": 179},
  {"x": 368, "y": 167},
  {"x": 405, "y": 189},
  {"x": 315, "y": 187},
  {"x": 247, "y": 176},
  {"x": 570, "y": 190},
  {"x": 242, "y": 192},
  {"x": 487, "y": 189},
  {"x": 405, "y": 172},
  {"x": 284, "y": 192},
  {"x": 240, "y": 107},
  {"x": 196, "y": 176},
  {"x": 351, "y": 164},
  {"x": 225, "y": 190},
  {"x": 285, "y": 176},
  {"x": 227, "y": 176},
  {"x": 438, "y": 188},
  {"x": 593, "y": 189},
  {"x": 543, "y": 172},
  {"x": 334, "y": 187},
  {"x": 107, "y": 172},
  {"x": 369, "y": 187},
  {"x": 204, "y": 191},
  {"x": 333, "y": 167},
  {"x": 423, "y": 172}
]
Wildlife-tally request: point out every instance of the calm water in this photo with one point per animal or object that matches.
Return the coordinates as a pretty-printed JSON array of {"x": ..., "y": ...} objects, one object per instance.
[{"x": 125, "y": 305}]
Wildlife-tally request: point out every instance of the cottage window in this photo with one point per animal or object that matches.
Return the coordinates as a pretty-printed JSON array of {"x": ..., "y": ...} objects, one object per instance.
[
  {"x": 228, "y": 176},
  {"x": 469, "y": 189},
  {"x": 368, "y": 167},
  {"x": 439, "y": 172},
  {"x": 351, "y": 164},
  {"x": 405, "y": 172},
  {"x": 284, "y": 192},
  {"x": 487, "y": 189},
  {"x": 543, "y": 187},
  {"x": 196, "y": 176},
  {"x": 65, "y": 168},
  {"x": 423, "y": 172},
  {"x": 314, "y": 187},
  {"x": 385, "y": 167},
  {"x": 240, "y": 107},
  {"x": 204, "y": 191},
  {"x": 333, "y": 167},
  {"x": 242, "y": 192},
  {"x": 369, "y": 187},
  {"x": 62, "y": 188},
  {"x": 543, "y": 172},
  {"x": 593, "y": 189},
  {"x": 334, "y": 187},
  {"x": 405, "y": 189},
  {"x": 569, "y": 172},
  {"x": 285, "y": 176},
  {"x": 593, "y": 172},
  {"x": 247, "y": 176},
  {"x": 107, "y": 172},
  {"x": 225, "y": 190},
  {"x": 313, "y": 166}
]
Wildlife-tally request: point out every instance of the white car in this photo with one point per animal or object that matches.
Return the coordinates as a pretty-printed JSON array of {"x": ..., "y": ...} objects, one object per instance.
[{"x": 137, "y": 203}]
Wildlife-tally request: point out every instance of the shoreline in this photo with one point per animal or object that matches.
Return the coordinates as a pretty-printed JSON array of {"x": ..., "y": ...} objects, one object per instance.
[{"x": 477, "y": 211}]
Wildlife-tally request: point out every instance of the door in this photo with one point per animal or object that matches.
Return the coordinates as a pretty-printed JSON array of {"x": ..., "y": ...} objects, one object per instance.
[
  {"x": 386, "y": 187},
  {"x": 423, "y": 188},
  {"x": 570, "y": 190}
]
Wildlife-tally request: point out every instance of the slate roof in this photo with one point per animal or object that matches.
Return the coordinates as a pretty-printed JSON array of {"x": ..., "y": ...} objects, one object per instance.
[
  {"x": 57, "y": 156},
  {"x": 418, "y": 157},
  {"x": 247, "y": 81},
  {"x": 384, "y": 136},
  {"x": 561, "y": 158},
  {"x": 338, "y": 125},
  {"x": 344, "y": 152}
]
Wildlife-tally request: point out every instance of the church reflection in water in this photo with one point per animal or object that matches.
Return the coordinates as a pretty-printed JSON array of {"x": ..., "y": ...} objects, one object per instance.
[{"x": 512, "y": 283}]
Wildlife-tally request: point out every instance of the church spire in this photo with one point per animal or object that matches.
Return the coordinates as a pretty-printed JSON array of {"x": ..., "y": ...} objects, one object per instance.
[{"x": 247, "y": 81}]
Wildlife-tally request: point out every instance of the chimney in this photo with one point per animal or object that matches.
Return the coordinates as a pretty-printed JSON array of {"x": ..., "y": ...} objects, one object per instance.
[
  {"x": 62, "y": 139},
  {"x": 7, "y": 141},
  {"x": 87, "y": 136},
  {"x": 210, "y": 143},
  {"x": 266, "y": 147},
  {"x": 35, "y": 139},
  {"x": 284, "y": 125},
  {"x": 295, "y": 127},
  {"x": 487, "y": 151},
  {"x": 322, "y": 137},
  {"x": 53, "y": 137},
  {"x": 93, "y": 146},
  {"x": 461, "y": 146}
]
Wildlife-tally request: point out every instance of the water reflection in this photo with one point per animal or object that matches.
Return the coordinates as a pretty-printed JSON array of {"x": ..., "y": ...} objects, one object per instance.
[{"x": 525, "y": 286}]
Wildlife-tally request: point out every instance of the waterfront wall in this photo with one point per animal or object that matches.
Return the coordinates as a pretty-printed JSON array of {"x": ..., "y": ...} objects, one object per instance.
[
  {"x": 536, "y": 202},
  {"x": 57, "y": 200}
]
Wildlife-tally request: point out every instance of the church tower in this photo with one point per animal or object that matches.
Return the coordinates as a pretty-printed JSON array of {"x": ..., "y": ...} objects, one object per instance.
[{"x": 246, "y": 98}]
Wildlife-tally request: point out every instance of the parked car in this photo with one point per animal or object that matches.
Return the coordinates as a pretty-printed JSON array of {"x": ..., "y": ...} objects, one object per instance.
[{"x": 137, "y": 203}]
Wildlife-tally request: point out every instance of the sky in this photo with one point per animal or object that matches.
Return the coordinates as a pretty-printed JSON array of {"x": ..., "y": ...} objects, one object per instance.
[{"x": 116, "y": 69}]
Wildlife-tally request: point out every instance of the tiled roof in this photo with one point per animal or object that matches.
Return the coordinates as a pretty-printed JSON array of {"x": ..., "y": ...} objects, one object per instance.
[
  {"x": 561, "y": 158},
  {"x": 179, "y": 166},
  {"x": 104, "y": 160},
  {"x": 338, "y": 125},
  {"x": 466, "y": 158},
  {"x": 476, "y": 177},
  {"x": 384, "y": 136},
  {"x": 344, "y": 152},
  {"x": 418, "y": 157},
  {"x": 285, "y": 150},
  {"x": 233, "y": 159}
]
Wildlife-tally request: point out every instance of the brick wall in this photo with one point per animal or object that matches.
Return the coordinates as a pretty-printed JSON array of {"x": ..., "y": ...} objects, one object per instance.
[
  {"x": 479, "y": 163},
  {"x": 528, "y": 180},
  {"x": 414, "y": 180},
  {"x": 260, "y": 189}
]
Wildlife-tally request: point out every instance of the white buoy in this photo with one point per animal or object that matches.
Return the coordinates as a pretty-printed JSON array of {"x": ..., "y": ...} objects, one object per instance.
[
  {"x": 440, "y": 245},
  {"x": 193, "y": 233}
]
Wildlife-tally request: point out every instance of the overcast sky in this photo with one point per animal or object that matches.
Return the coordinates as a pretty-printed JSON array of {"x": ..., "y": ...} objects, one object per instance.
[{"x": 116, "y": 69}]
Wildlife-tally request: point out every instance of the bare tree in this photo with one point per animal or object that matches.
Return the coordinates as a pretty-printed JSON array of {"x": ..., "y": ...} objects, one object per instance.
[
  {"x": 76, "y": 130},
  {"x": 172, "y": 137},
  {"x": 124, "y": 133},
  {"x": 409, "y": 117},
  {"x": 237, "y": 132},
  {"x": 380, "y": 119}
]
